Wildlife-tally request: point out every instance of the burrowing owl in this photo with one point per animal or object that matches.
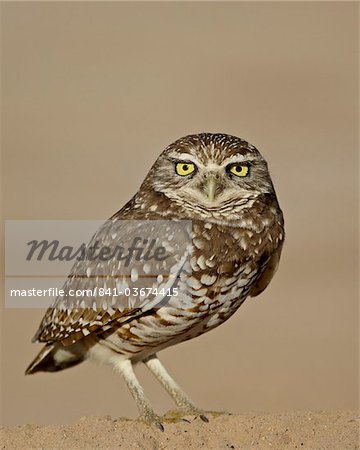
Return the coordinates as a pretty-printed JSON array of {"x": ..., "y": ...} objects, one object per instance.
[{"x": 222, "y": 185}]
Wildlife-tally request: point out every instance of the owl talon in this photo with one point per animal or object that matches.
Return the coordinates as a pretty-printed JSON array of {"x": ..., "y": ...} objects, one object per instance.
[
  {"x": 152, "y": 419},
  {"x": 178, "y": 415},
  {"x": 173, "y": 416},
  {"x": 160, "y": 426},
  {"x": 203, "y": 415},
  {"x": 185, "y": 420}
]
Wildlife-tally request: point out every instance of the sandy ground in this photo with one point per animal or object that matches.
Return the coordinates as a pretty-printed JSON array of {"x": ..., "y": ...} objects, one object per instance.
[{"x": 302, "y": 430}]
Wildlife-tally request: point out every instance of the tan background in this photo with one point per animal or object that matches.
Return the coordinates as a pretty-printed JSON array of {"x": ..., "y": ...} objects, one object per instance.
[{"x": 93, "y": 92}]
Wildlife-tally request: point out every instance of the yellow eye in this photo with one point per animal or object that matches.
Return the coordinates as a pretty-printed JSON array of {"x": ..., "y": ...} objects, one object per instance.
[
  {"x": 184, "y": 169},
  {"x": 239, "y": 170}
]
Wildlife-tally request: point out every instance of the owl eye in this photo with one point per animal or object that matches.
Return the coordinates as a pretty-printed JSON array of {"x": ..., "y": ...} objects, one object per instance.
[
  {"x": 239, "y": 170},
  {"x": 184, "y": 169}
]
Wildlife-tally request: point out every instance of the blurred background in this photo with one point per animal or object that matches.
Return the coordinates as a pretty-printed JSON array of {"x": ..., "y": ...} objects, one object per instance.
[{"x": 92, "y": 93}]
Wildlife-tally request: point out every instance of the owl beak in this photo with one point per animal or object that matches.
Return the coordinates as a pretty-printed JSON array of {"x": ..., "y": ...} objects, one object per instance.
[{"x": 211, "y": 186}]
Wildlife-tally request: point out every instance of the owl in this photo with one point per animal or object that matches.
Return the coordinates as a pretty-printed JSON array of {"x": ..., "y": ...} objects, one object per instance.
[{"x": 220, "y": 185}]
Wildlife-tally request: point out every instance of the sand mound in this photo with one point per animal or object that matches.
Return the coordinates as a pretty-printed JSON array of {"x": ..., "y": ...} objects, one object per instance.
[{"x": 302, "y": 430}]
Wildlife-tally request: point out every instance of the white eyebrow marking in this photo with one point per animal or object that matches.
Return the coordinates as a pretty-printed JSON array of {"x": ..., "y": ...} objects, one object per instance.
[
  {"x": 238, "y": 158},
  {"x": 183, "y": 157}
]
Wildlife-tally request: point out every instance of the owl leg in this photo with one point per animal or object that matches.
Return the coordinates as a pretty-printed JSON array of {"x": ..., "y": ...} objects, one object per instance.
[
  {"x": 178, "y": 395},
  {"x": 125, "y": 367}
]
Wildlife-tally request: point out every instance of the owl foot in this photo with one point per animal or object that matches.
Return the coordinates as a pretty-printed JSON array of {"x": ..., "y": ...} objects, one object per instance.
[
  {"x": 185, "y": 414},
  {"x": 175, "y": 415},
  {"x": 152, "y": 419}
]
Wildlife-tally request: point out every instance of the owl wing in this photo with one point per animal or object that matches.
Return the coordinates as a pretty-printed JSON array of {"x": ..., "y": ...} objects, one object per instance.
[
  {"x": 268, "y": 271},
  {"x": 117, "y": 288}
]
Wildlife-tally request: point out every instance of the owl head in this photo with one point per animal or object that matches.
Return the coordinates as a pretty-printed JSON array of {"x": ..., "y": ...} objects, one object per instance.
[{"x": 210, "y": 171}]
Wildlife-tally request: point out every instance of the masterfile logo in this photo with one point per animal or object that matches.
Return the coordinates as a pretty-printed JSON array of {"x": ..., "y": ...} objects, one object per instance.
[{"x": 93, "y": 261}]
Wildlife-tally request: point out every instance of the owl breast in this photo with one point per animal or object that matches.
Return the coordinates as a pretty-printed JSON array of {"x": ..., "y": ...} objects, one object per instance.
[{"x": 225, "y": 265}]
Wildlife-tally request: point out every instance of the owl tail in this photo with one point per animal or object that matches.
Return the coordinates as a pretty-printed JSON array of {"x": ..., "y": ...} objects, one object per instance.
[{"x": 52, "y": 358}]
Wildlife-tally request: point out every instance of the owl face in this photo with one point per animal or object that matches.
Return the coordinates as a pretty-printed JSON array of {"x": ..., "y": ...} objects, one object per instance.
[{"x": 212, "y": 171}]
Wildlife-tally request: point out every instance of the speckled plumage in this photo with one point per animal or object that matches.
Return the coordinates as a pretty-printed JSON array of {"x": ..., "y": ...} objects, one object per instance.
[{"x": 237, "y": 236}]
